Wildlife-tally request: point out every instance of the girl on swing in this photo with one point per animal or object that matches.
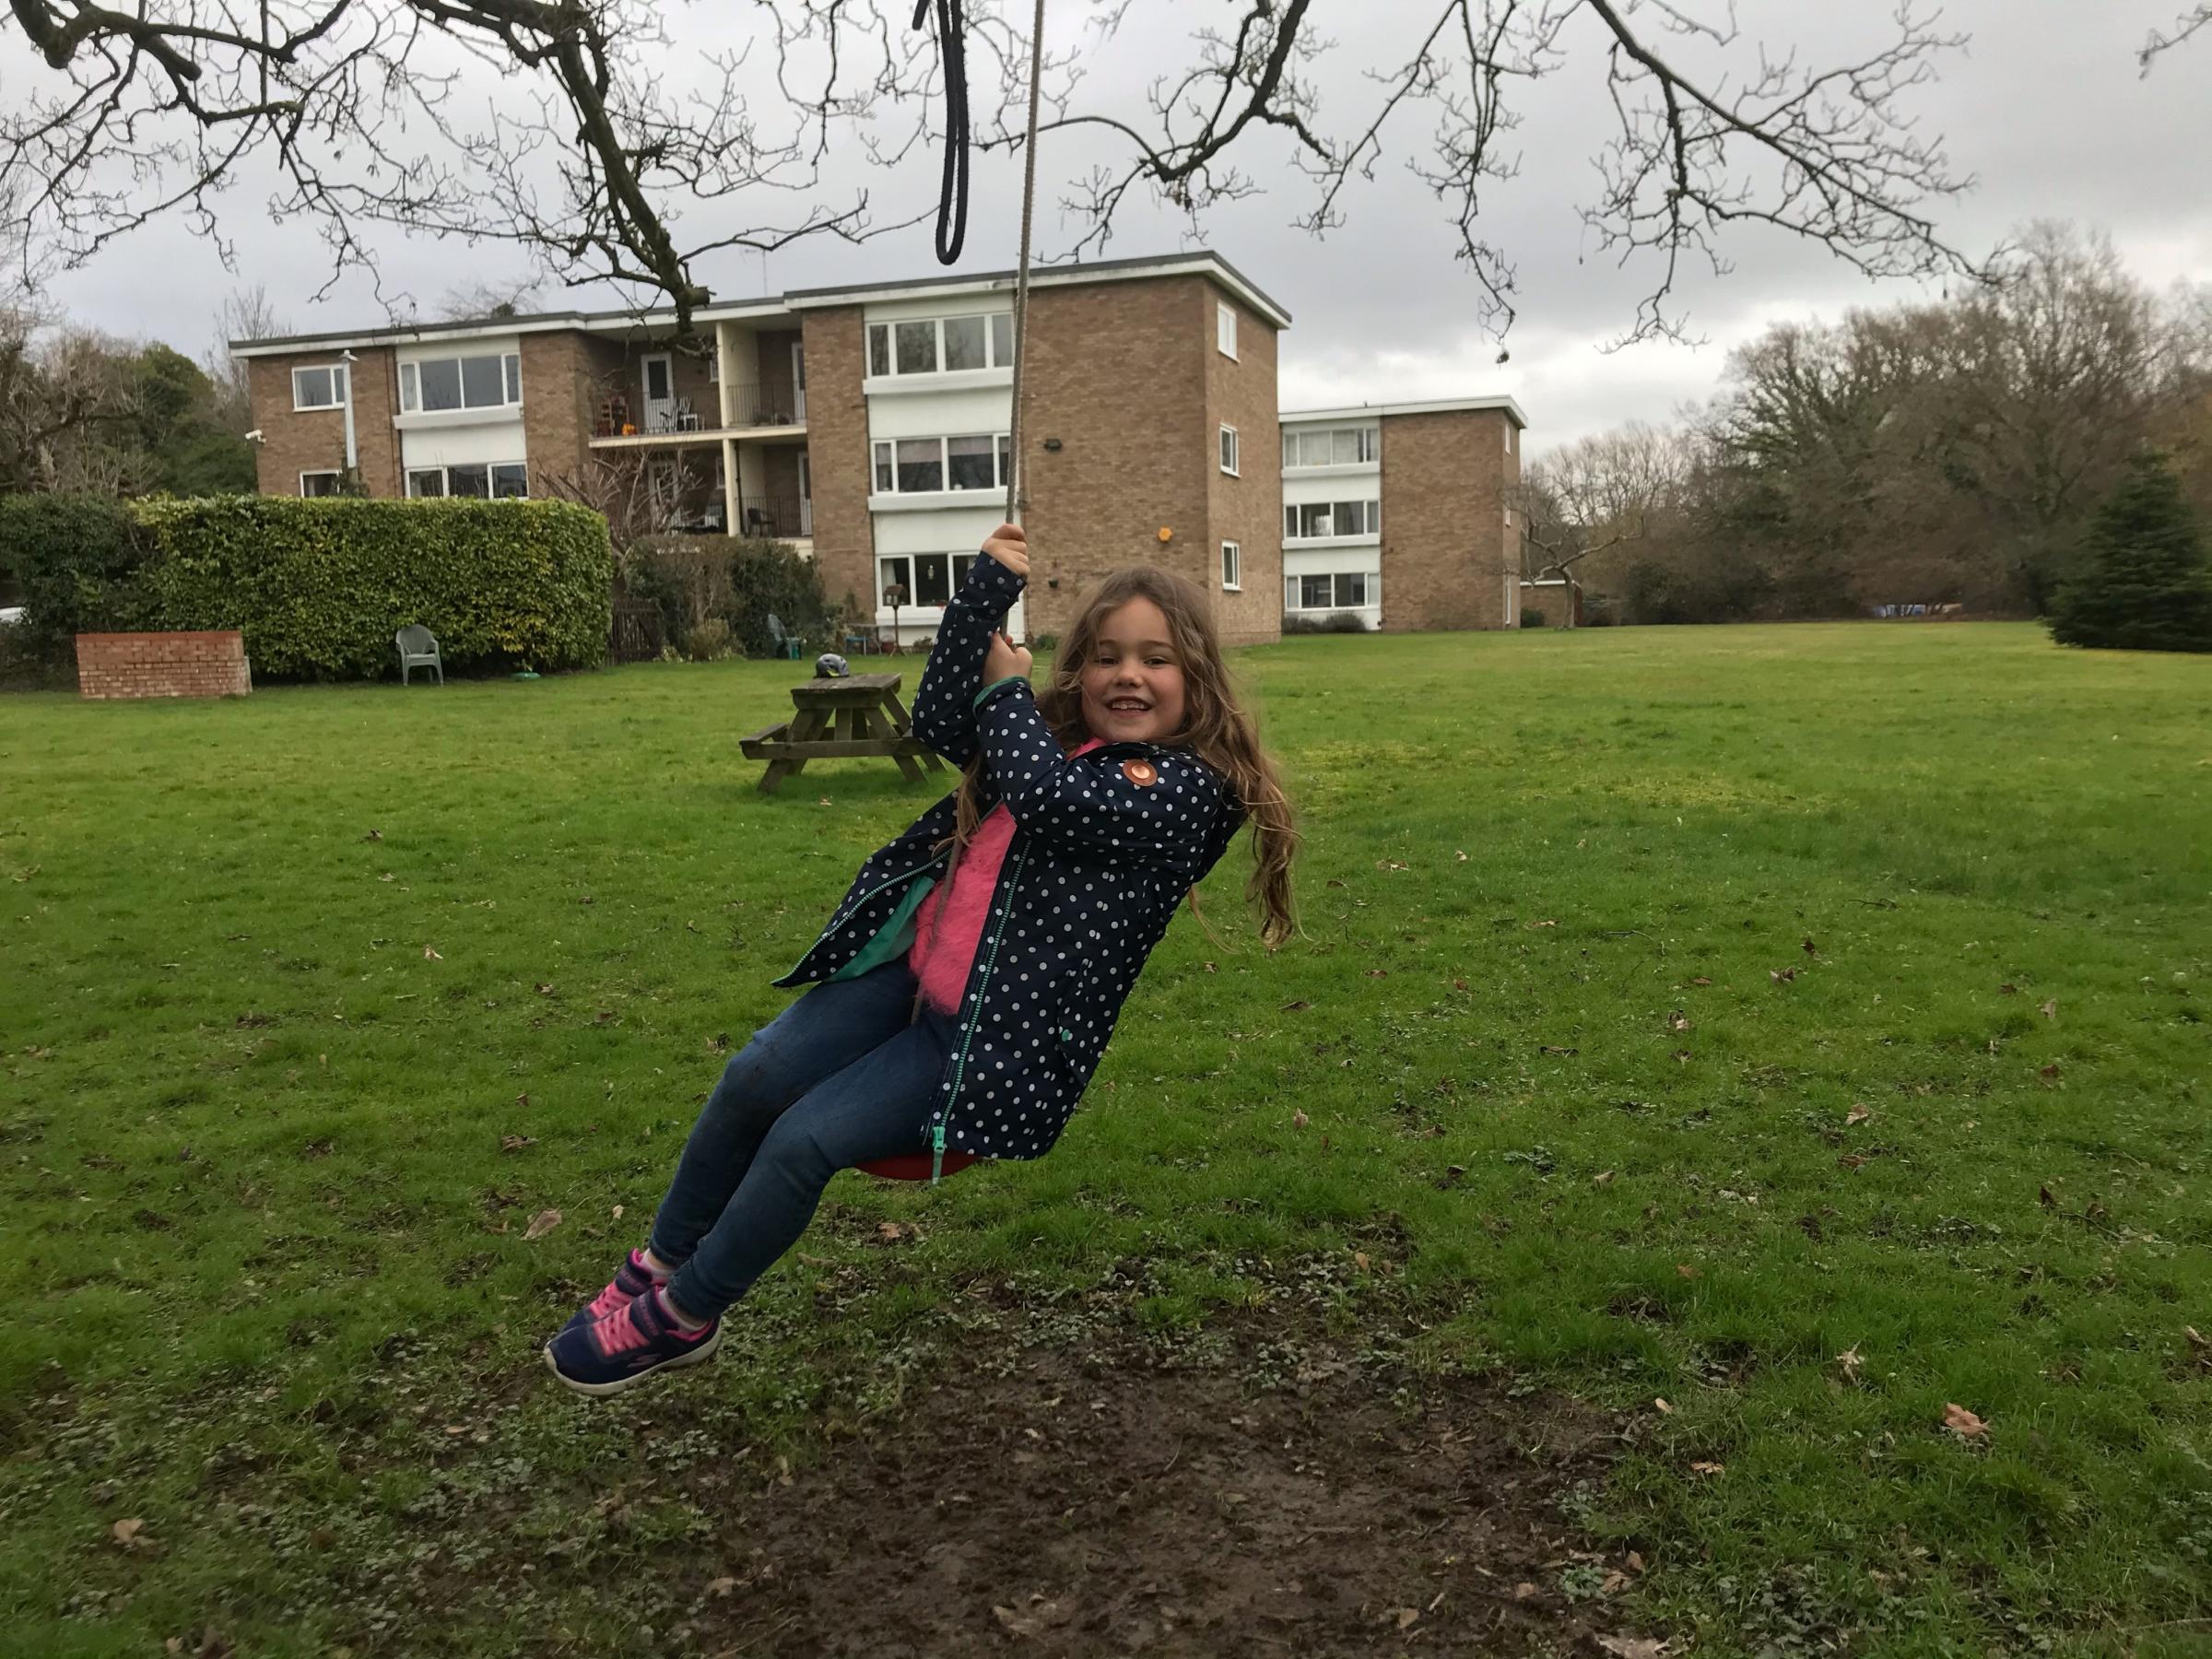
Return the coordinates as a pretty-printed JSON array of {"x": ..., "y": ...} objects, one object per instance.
[{"x": 963, "y": 991}]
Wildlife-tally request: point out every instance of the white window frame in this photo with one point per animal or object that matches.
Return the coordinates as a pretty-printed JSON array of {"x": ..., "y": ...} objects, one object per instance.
[
  {"x": 1001, "y": 460},
  {"x": 1371, "y": 581},
  {"x": 1371, "y": 515},
  {"x": 445, "y": 481},
  {"x": 1230, "y": 450},
  {"x": 510, "y": 382},
  {"x": 1509, "y": 515},
  {"x": 1225, "y": 329},
  {"x": 1232, "y": 567},
  {"x": 958, "y": 566},
  {"x": 890, "y": 371},
  {"x": 1367, "y": 451},
  {"x": 1508, "y": 436},
  {"x": 339, "y": 379},
  {"x": 335, "y": 475}
]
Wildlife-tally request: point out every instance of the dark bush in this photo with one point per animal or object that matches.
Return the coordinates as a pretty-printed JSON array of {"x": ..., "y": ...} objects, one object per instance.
[
  {"x": 319, "y": 587},
  {"x": 2142, "y": 583},
  {"x": 693, "y": 578},
  {"x": 75, "y": 560},
  {"x": 1336, "y": 622},
  {"x": 1531, "y": 617}
]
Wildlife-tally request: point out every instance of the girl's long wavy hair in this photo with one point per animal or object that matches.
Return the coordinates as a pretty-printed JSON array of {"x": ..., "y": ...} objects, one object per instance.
[{"x": 1215, "y": 726}]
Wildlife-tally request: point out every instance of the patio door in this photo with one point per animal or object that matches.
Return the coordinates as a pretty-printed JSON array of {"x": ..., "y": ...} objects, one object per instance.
[
  {"x": 798, "y": 382},
  {"x": 805, "y": 495},
  {"x": 659, "y": 404}
]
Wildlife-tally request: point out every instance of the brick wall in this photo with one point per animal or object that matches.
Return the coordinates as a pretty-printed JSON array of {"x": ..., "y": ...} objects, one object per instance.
[
  {"x": 294, "y": 441},
  {"x": 1247, "y": 509},
  {"x": 1118, "y": 373},
  {"x": 164, "y": 665},
  {"x": 566, "y": 377},
  {"x": 837, "y": 443},
  {"x": 1445, "y": 557}
]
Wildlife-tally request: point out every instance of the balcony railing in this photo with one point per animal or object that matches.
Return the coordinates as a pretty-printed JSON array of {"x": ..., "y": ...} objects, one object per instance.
[{"x": 750, "y": 406}]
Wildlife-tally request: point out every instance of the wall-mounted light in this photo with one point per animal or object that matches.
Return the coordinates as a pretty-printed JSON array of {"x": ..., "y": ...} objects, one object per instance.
[
  {"x": 1053, "y": 444},
  {"x": 1051, "y": 582},
  {"x": 1166, "y": 534}
]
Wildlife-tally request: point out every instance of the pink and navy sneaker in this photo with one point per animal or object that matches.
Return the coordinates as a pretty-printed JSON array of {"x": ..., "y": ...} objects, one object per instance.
[
  {"x": 631, "y": 1344},
  {"x": 633, "y": 1279}
]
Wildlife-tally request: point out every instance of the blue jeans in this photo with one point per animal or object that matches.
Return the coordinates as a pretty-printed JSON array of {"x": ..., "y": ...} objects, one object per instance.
[{"x": 843, "y": 1076}]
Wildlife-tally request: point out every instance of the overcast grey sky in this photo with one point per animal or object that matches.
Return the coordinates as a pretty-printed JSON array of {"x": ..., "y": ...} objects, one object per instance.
[{"x": 2046, "y": 108}]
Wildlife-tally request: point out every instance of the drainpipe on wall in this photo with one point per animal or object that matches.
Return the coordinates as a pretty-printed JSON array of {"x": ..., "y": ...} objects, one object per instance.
[{"x": 353, "y": 459}]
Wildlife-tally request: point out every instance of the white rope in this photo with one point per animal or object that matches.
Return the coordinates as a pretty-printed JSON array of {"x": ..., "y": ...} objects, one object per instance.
[{"x": 1016, "y": 498}]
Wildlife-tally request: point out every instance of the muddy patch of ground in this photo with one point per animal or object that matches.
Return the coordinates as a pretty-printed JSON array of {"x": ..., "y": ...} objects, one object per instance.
[{"x": 1258, "y": 1497}]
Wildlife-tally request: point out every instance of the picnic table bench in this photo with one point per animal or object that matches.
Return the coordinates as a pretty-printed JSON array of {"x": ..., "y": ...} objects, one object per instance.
[{"x": 839, "y": 720}]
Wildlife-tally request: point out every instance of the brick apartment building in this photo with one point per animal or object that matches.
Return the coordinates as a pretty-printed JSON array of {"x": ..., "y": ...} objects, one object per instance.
[{"x": 868, "y": 426}]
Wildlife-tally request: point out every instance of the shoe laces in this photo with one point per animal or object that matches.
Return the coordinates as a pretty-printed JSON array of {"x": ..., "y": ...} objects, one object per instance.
[{"x": 624, "y": 1329}]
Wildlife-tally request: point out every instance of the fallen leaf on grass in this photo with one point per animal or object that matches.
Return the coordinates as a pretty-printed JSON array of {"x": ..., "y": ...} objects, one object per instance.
[
  {"x": 1857, "y": 1114},
  {"x": 893, "y": 1231},
  {"x": 374, "y": 835},
  {"x": 1292, "y": 1007},
  {"x": 544, "y": 1222},
  {"x": 1706, "y": 1468},
  {"x": 1563, "y": 1052},
  {"x": 617, "y": 1214},
  {"x": 1632, "y": 1647},
  {"x": 1787, "y": 974},
  {"x": 1665, "y": 1406},
  {"x": 1849, "y": 1362},
  {"x": 1682, "y": 1055},
  {"x": 1460, "y": 857},
  {"x": 2198, "y": 1341},
  {"x": 1686, "y": 1270},
  {"x": 2050, "y": 1009},
  {"x": 131, "y": 1534},
  {"x": 604, "y": 1016},
  {"x": 2009, "y": 990},
  {"x": 1545, "y": 923},
  {"x": 1407, "y": 1617},
  {"x": 1850, "y": 1160},
  {"x": 1962, "y": 1422},
  {"x": 721, "y": 1586},
  {"x": 1678, "y": 1021},
  {"x": 1524, "y": 1590},
  {"x": 515, "y": 1142},
  {"x": 429, "y": 955},
  {"x": 1360, "y": 1260},
  {"x": 1603, "y": 1178},
  {"x": 1378, "y": 973},
  {"x": 2050, "y": 1073},
  {"x": 1811, "y": 949},
  {"x": 1298, "y": 1119},
  {"x": 1700, "y": 980},
  {"x": 544, "y": 988},
  {"x": 2043, "y": 1196}
]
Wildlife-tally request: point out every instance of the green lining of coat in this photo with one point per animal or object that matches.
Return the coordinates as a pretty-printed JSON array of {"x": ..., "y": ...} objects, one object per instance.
[{"x": 894, "y": 938}]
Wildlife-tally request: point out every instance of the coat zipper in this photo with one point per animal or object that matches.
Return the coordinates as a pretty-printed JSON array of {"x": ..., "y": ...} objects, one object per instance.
[
  {"x": 959, "y": 1068},
  {"x": 856, "y": 904}
]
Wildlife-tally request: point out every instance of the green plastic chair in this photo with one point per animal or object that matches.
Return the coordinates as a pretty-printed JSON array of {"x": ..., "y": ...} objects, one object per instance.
[{"x": 417, "y": 649}]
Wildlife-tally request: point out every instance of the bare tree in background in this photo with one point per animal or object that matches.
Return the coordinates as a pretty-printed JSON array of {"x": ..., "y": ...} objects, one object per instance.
[
  {"x": 607, "y": 153},
  {"x": 247, "y": 313}
]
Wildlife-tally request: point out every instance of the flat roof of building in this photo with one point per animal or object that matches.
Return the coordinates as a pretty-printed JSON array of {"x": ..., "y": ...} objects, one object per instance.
[
  {"x": 1198, "y": 261},
  {"x": 1369, "y": 411}
]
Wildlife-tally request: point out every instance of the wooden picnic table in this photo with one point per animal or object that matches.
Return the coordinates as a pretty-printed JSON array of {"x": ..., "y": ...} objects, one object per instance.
[{"x": 839, "y": 720}]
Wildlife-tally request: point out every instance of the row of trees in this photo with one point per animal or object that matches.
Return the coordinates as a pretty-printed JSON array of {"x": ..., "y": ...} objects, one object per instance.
[
  {"x": 82, "y": 412},
  {"x": 1937, "y": 453}
]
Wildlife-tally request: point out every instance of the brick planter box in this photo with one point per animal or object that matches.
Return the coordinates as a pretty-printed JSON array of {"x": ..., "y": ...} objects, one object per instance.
[{"x": 162, "y": 664}]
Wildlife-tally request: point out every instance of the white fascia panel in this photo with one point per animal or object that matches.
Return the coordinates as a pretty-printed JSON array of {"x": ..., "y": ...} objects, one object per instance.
[
  {"x": 462, "y": 446},
  {"x": 952, "y": 530}
]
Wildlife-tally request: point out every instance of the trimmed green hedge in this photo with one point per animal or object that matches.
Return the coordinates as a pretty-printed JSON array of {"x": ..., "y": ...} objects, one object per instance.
[{"x": 319, "y": 587}]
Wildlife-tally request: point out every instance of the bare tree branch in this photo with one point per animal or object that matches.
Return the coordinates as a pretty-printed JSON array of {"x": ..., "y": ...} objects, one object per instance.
[
  {"x": 2198, "y": 17},
  {"x": 609, "y": 153}
]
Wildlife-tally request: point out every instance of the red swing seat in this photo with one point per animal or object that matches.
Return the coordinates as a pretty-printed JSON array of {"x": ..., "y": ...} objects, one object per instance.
[{"x": 914, "y": 1166}]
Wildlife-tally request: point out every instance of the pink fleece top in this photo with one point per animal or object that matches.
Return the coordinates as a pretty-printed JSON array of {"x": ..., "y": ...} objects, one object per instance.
[{"x": 948, "y": 930}]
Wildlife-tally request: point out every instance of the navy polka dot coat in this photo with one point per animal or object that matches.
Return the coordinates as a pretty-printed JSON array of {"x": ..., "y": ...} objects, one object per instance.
[{"x": 1105, "y": 848}]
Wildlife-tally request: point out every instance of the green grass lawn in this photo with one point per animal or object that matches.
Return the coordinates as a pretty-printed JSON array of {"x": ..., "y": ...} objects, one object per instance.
[{"x": 278, "y": 974}]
